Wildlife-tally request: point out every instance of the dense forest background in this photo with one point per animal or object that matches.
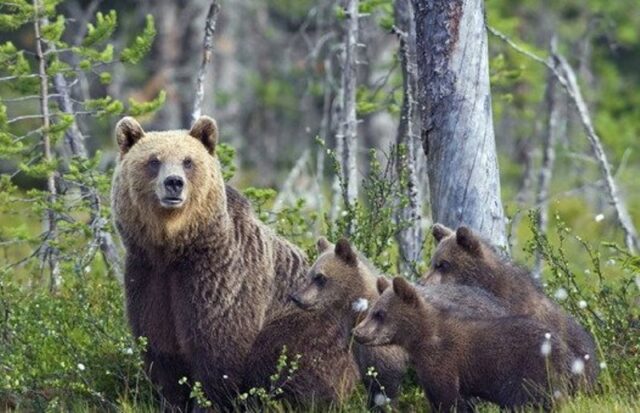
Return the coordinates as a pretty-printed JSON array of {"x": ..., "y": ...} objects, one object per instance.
[{"x": 274, "y": 84}]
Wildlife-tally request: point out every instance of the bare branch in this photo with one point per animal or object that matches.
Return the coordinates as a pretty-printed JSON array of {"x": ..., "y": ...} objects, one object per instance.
[
  {"x": 566, "y": 77},
  {"x": 207, "y": 52}
]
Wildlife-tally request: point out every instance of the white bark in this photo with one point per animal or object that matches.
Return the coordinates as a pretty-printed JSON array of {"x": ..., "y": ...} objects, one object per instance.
[
  {"x": 457, "y": 124},
  {"x": 347, "y": 130},
  {"x": 207, "y": 53},
  {"x": 410, "y": 237}
]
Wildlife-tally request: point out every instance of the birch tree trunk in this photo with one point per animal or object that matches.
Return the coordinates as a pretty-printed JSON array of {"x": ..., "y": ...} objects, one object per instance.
[
  {"x": 347, "y": 129},
  {"x": 409, "y": 215},
  {"x": 457, "y": 124}
]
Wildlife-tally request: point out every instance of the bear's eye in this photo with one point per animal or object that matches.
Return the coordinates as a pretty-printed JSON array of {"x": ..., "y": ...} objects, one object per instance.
[
  {"x": 187, "y": 163},
  {"x": 442, "y": 266},
  {"x": 320, "y": 279},
  {"x": 154, "y": 163},
  {"x": 378, "y": 315}
]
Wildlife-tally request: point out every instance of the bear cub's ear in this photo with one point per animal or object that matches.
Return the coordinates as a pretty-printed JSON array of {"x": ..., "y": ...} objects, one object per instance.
[
  {"x": 382, "y": 284},
  {"x": 344, "y": 251},
  {"x": 440, "y": 231},
  {"x": 404, "y": 290},
  {"x": 205, "y": 130},
  {"x": 128, "y": 132},
  {"x": 322, "y": 244},
  {"x": 468, "y": 240}
]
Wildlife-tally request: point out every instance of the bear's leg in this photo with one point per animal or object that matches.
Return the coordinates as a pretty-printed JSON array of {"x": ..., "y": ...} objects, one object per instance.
[
  {"x": 221, "y": 386},
  {"x": 165, "y": 371}
]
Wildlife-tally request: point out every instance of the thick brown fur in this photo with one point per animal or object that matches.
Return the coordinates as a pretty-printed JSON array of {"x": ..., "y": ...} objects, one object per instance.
[
  {"x": 460, "y": 358},
  {"x": 202, "y": 278},
  {"x": 338, "y": 279},
  {"x": 463, "y": 258}
]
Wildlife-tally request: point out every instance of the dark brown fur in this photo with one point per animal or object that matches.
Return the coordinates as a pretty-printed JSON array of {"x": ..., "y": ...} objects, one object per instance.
[
  {"x": 200, "y": 280},
  {"x": 461, "y": 358},
  {"x": 463, "y": 258},
  {"x": 327, "y": 371},
  {"x": 340, "y": 277}
]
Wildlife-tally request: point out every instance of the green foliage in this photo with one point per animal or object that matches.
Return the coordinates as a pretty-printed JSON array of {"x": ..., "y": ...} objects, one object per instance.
[
  {"x": 143, "y": 108},
  {"x": 141, "y": 44}
]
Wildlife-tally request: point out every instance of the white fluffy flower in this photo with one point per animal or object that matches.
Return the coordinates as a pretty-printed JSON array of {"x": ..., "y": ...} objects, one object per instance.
[
  {"x": 380, "y": 399},
  {"x": 603, "y": 365},
  {"x": 545, "y": 348},
  {"x": 360, "y": 305},
  {"x": 81, "y": 367},
  {"x": 599, "y": 217},
  {"x": 582, "y": 304},
  {"x": 577, "y": 367},
  {"x": 225, "y": 377},
  {"x": 561, "y": 294},
  {"x": 547, "y": 336}
]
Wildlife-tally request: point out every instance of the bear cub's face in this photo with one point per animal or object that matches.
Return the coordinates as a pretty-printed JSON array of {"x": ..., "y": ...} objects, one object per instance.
[
  {"x": 391, "y": 316},
  {"x": 335, "y": 280},
  {"x": 460, "y": 257},
  {"x": 167, "y": 171}
]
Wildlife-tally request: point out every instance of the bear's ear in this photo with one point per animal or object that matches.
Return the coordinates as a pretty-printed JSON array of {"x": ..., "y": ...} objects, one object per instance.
[
  {"x": 404, "y": 290},
  {"x": 128, "y": 132},
  {"x": 468, "y": 240},
  {"x": 344, "y": 251},
  {"x": 322, "y": 244},
  {"x": 382, "y": 284},
  {"x": 205, "y": 130},
  {"x": 440, "y": 231}
]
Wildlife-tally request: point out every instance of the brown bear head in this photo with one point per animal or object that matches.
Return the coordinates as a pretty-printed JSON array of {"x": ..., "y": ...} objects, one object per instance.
[
  {"x": 338, "y": 280},
  {"x": 166, "y": 181},
  {"x": 393, "y": 315},
  {"x": 460, "y": 257}
]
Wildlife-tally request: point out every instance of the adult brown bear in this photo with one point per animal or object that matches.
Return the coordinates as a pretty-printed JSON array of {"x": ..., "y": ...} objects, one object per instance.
[{"x": 202, "y": 273}]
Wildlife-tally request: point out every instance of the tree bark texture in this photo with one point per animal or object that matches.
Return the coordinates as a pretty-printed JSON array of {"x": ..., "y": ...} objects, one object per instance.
[
  {"x": 457, "y": 124},
  {"x": 410, "y": 237}
]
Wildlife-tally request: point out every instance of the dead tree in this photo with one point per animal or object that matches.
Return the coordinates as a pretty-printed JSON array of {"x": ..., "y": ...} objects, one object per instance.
[
  {"x": 457, "y": 124},
  {"x": 49, "y": 253},
  {"x": 207, "y": 53},
  {"x": 409, "y": 215},
  {"x": 565, "y": 75},
  {"x": 348, "y": 123},
  {"x": 556, "y": 127}
]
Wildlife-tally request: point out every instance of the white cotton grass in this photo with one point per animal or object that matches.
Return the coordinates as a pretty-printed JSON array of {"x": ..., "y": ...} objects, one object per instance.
[
  {"x": 582, "y": 304},
  {"x": 360, "y": 305},
  {"x": 545, "y": 348},
  {"x": 561, "y": 294},
  {"x": 380, "y": 399},
  {"x": 603, "y": 365},
  {"x": 599, "y": 217},
  {"x": 81, "y": 367},
  {"x": 577, "y": 367}
]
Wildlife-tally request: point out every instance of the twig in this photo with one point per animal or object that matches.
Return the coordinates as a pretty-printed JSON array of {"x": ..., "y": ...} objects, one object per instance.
[
  {"x": 209, "y": 30},
  {"x": 566, "y": 77}
]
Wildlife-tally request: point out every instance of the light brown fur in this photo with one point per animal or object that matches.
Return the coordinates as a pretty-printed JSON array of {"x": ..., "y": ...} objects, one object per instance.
[{"x": 200, "y": 278}]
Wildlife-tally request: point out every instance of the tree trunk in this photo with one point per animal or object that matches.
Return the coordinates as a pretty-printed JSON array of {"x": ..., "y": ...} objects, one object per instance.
[
  {"x": 409, "y": 214},
  {"x": 347, "y": 130},
  {"x": 457, "y": 131}
]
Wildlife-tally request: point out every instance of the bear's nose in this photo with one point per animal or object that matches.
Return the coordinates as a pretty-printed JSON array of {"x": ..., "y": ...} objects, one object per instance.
[{"x": 174, "y": 184}]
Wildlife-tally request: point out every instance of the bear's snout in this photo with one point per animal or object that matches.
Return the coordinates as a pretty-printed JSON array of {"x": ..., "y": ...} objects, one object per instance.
[{"x": 173, "y": 185}]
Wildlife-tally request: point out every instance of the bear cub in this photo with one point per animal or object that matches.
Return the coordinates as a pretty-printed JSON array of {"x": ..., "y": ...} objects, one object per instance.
[
  {"x": 511, "y": 361},
  {"x": 463, "y": 258}
]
